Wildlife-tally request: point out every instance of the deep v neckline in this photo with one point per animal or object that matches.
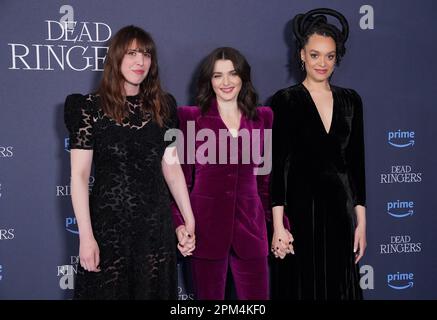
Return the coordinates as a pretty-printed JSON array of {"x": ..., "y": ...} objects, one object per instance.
[
  {"x": 229, "y": 130},
  {"x": 329, "y": 131}
]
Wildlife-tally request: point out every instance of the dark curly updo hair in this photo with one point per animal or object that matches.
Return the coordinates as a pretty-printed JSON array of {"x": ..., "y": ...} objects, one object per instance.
[{"x": 315, "y": 22}]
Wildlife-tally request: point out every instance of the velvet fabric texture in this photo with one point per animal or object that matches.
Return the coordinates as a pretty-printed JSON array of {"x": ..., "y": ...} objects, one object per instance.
[
  {"x": 250, "y": 278},
  {"x": 230, "y": 203},
  {"x": 319, "y": 177}
]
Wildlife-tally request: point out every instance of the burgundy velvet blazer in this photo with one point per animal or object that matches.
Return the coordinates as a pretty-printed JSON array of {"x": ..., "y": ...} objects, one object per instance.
[{"x": 230, "y": 203}]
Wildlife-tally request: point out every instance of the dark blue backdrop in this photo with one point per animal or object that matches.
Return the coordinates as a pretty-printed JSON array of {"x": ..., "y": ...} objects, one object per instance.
[{"x": 390, "y": 62}]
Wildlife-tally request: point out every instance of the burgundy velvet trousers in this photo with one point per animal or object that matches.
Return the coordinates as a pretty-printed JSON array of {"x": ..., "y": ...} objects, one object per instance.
[{"x": 251, "y": 278}]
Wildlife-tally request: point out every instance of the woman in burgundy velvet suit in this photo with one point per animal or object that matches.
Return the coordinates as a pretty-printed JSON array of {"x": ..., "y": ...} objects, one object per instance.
[{"x": 224, "y": 145}]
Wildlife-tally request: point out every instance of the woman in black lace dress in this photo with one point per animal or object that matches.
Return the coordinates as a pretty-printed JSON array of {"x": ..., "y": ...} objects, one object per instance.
[
  {"x": 127, "y": 243},
  {"x": 318, "y": 177}
]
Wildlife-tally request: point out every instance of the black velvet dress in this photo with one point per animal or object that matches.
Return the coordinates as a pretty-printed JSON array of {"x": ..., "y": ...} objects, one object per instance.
[
  {"x": 129, "y": 203},
  {"x": 319, "y": 177}
]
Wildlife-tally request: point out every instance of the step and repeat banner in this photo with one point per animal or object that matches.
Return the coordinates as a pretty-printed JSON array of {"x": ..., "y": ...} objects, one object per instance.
[{"x": 49, "y": 49}]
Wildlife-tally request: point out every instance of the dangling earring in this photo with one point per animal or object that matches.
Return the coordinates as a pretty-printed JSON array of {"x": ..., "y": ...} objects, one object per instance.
[{"x": 302, "y": 65}]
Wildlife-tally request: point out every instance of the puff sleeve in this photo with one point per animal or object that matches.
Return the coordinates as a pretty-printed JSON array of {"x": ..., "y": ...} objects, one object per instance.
[{"x": 78, "y": 119}]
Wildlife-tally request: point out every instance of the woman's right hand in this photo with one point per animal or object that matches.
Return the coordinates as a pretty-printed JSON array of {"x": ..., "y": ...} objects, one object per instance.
[
  {"x": 89, "y": 255},
  {"x": 282, "y": 243}
]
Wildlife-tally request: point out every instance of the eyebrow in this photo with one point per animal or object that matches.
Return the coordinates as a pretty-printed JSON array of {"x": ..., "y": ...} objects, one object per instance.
[
  {"x": 139, "y": 50},
  {"x": 312, "y": 50},
  {"x": 233, "y": 70}
]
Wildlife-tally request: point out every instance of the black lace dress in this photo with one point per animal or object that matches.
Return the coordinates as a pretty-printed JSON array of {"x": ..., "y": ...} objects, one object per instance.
[{"x": 129, "y": 202}]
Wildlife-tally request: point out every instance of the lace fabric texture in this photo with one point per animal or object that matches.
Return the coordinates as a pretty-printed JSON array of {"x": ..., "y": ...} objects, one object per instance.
[{"x": 129, "y": 202}]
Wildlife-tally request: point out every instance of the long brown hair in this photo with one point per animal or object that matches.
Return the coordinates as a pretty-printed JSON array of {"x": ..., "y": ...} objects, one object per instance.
[
  {"x": 247, "y": 98},
  {"x": 111, "y": 89}
]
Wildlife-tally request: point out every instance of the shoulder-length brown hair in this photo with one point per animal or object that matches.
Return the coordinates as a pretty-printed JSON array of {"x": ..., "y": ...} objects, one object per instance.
[
  {"x": 111, "y": 89},
  {"x": 247, "y": 98}
]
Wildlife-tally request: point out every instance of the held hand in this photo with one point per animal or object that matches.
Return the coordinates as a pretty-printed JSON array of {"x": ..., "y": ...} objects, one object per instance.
[
  {"x": 360, "y": 242},
  {"x": 282, "y": 243},
  {"x": 89, "y": 255},
  {"x": 190, "y": 237},
  {"x": 186, "y": 239},
  {"x": 290, "y": 242}
]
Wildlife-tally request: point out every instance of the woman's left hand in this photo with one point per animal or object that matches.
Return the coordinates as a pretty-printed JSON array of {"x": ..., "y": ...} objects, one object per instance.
[{"x": 360, "y": 242}]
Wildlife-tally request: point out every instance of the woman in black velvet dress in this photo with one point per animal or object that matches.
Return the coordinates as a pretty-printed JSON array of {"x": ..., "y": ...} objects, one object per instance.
[
  {"x": 318, "y": 178},
  {"x": 127, "y": 239}
]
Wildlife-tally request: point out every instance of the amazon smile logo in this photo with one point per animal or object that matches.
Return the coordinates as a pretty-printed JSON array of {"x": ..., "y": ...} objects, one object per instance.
[
  {"x": 401, "y": 139},
  {"x": 71, "y": 225},
  {"x": 400, "y": 209},
  {"x": 400, "y": 281}
]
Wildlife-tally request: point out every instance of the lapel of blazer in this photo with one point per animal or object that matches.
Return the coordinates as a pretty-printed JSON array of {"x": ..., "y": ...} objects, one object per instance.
[{"x": 212, "y": 119}]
